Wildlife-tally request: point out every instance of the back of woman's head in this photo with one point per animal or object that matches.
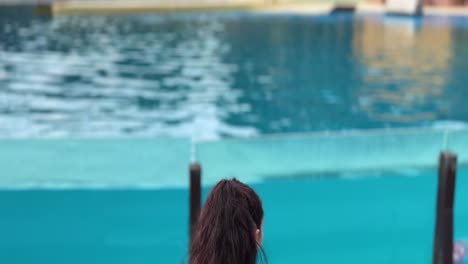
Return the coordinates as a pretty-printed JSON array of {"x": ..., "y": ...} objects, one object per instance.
[{"x": 229, "y": 227}]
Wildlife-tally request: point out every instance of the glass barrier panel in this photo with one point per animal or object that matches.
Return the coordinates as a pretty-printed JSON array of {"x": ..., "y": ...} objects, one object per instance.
[
  {"x": 88, "y": 163},
  {"x": 94, "y": 200},
  {"x": 338, "y": 198},
  {"x": 318, "y": 155},
  {"x": 457, "y": 142}
]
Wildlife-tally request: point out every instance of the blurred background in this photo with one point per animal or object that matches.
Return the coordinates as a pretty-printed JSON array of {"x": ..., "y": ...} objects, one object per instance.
[{"x": 334, "y": 111}]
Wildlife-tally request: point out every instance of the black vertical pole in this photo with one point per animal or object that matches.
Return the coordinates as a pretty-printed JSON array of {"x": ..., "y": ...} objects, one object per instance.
[
  {"x": 443, "y": 240},
  {"x": 195, "y": 196}
]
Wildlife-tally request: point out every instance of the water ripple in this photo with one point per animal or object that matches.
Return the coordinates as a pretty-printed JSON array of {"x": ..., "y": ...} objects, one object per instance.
[{"x": 227, "y": 75}]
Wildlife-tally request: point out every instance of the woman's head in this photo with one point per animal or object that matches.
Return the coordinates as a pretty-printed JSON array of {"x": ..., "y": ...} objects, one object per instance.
[{"x": 229, "y": 229}]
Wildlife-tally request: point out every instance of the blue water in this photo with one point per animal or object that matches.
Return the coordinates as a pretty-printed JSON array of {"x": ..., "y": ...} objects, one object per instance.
[
  {"x": 372, "y": 220},
  {"x": 116, "y": 198},
  {"x": 228, "y": 74}
]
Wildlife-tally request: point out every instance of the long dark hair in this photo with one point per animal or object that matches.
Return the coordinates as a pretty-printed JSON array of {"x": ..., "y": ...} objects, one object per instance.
[{"x": 225, "y": 232}]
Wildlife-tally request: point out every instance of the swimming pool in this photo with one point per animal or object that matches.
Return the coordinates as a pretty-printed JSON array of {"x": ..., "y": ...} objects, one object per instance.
[
  {"x": 122, "y": 104},
  {"x": 228, "y": 74},
  {"x": 384, "y": 220},
  {"x": 329, "y": 198}
]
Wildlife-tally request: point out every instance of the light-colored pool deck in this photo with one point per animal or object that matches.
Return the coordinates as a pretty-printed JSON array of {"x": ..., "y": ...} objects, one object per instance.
[
  {"x": 128, "y": 6},
  {"x": 105, "y": 7}
]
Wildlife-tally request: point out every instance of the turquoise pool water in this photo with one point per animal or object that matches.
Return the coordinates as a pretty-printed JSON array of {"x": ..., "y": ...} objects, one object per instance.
[
  {"x": 328, "y": 198},
  {"x": 131, "y": 100},
  {"x": 372, "y": 220},
  {"x": 228, "y": 74}
]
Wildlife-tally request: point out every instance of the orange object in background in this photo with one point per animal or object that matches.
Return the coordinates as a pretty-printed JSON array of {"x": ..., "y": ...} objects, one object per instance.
[{"x": 444, "y": 2}]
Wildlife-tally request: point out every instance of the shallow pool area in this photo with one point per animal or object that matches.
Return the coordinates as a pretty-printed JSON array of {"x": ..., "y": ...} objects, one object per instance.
[{"x": 386, "y": 220}]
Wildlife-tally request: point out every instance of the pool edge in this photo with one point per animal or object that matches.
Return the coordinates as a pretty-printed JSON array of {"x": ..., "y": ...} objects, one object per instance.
[
  {"x": 101, "y": 7},
  {"x": 80, "y": 7}
]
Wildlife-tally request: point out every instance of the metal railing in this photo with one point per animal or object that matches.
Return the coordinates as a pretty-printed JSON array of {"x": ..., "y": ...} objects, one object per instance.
[{"x": 443, "y": 240}]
